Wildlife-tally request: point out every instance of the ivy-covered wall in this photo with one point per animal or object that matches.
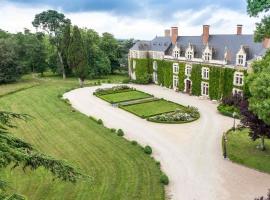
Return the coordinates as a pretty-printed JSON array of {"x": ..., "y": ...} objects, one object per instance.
[{"x": 220, "y": 78}]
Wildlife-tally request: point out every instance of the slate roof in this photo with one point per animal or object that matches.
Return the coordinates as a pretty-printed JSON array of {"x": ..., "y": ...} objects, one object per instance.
[{"x": 219, "y": 43}]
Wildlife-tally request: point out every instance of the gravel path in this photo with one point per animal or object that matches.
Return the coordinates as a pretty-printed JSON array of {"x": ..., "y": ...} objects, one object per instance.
[{"x": 190, "y": 154}]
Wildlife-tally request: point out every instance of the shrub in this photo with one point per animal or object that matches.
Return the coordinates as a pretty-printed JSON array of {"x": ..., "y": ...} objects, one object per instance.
[
  {"x": 228, "y": 110},
  {"x": 133, "y": 142},
  {"x": 100, "y": 121},
  {"x": 158, "y": 163},
  {"x": 109, "y": 81},
  {"x": 147, "y": 149},
  {"x": 120, "y": 132},
  {"x": 127, "y": 80},
  {"x": 113, "y": 130},
  {"x": 115, "y": 89},
  {"x": 164, "y": 179}
]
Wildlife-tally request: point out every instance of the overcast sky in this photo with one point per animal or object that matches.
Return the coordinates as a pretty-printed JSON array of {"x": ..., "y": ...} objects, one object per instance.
[{"x": 139, "y": 19}]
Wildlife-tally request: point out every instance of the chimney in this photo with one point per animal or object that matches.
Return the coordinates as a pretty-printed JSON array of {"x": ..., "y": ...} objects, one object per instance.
[
  {"x": 167, "y": 33},
  {"x": 239, "y": 29},
  {"x": 174, "y": 32},
  {"x": 205, "y": 35},
  {"x": 266, "y": 43}
]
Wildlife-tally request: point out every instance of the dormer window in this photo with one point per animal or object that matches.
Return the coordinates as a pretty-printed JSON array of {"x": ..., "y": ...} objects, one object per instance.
[
  {"x": 176, "y": 51},
  {"x": 189, "y": 52},
  {"x": 241, "y": 57},
  {"x": 207, "y": 54}
]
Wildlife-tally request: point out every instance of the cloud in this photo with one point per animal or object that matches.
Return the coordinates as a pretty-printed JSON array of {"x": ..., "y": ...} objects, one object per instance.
[{"x": 222, "y": 20}]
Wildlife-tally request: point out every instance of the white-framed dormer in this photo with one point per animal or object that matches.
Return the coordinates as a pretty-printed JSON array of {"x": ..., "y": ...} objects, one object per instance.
[
  {"x": 241, "y": 57},
  {"x": 176, "y": 52},
  {"x": 205, "y": 73},
  {"x": 205, "y": 89},
  {"x": 189, "y": 54},
  {"x": 207, "y": 53},
  {"x": 238, "y": 79},
  {"x": 188, "y": 70},
  {"x": 175, "y": 68}
]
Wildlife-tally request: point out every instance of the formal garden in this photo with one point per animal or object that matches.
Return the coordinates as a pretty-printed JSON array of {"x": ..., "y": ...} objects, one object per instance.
[{"x": 147, "y": 106}]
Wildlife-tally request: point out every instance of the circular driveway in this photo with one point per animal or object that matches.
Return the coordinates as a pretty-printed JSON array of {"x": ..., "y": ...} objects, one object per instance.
[{"x": 190, "y": 154}]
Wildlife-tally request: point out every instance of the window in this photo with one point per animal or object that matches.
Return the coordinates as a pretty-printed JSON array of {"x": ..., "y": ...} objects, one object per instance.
[
  {"x": 155, "y": 78},
  {"x": 175, "y": 81},
  {"x": 188, "y": 70},
  {"x": 207, "y": 56},
  {"x": 205, "y": 73},
  {"x": 175, "y": 68},
  {"x": 176, "y": 53},
  {"x": 240, "y": 60},
  {"x": 134, "y": 64},
  {"x": 155, "y": 66},
  {"x": 205, "y": 89},
  {"x": 189, "y": 55},
  {"x": 238, "y": 78},
  {"x": 237, "y": 91}
]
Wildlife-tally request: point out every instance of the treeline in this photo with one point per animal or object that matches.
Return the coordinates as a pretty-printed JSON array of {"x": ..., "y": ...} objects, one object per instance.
[{"x": 59, "y": 46}]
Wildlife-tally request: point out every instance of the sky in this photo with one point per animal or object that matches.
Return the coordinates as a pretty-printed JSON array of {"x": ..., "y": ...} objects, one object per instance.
[{"x": 139, "y": 19}]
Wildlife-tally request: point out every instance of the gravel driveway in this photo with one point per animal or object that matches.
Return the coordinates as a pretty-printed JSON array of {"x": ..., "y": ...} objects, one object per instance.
[{"x": 190, "y": 154}]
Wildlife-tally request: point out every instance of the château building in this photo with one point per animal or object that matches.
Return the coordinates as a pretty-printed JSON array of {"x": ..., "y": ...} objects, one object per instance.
[{"x": 186, "y": 63}]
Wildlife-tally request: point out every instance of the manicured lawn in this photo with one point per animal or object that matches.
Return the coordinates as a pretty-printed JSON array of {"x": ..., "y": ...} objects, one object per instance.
[
  {"x": 152, "y": 108},
  {"x": 124, "y": 96},
  {"x": 241, "y": 149},
  {"x": 119, "y": 170}
]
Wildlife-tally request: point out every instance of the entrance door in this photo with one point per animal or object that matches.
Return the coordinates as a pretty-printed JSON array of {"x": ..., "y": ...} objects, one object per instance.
[{"x": 188, "y": 86}]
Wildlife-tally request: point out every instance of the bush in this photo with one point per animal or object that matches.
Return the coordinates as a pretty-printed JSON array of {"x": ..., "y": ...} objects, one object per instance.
[
  {"x": 147, "y": 149},
  {"x": 100, "y": 121},
  {"x": 115, "y": 89},
  {"x": 228, "y": 110},
  {"x": 164, "y": 179},
  {"x": 127, "y": 80},
  {"x": 120, "y": 132},
  {"x": 133, "y": 142},
  {"x": 158, "y": 163},
  {"x": 113, "y": 130}
]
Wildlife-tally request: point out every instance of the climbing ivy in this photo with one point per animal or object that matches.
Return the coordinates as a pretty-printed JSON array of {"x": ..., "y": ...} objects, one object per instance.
[
  {"x": 196, "y": 78},
  {"x": 215, "y": 82},
  {"x": 228, "y": 81},
  {"x": 168, "y": 74},
  {"x": 143, "y": 71},
  {"x": 181, "y": 77}
]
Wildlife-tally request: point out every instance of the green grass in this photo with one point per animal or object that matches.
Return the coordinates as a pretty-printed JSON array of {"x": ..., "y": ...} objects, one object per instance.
[
  {"x": 241, "y": 149},
  {"x": 119, "y": 169},
  {"x": 152, "y": 108},
  {"x": 124, "y": 96}
]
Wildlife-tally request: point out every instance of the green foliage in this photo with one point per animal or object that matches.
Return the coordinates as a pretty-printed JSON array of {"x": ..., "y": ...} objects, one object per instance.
[
  {"x": 77, "y": 57},
  {"x": 100, "y": 121},
  {"x": 120, "y": 132},
  {"x": 133, "y": 142},
  {"x": 228, "y": 81},
  {"x": 143, "y": 71},
  {"x": 168, "y": 74},
  {"x": 229, "y": 110},
  {"x": 196, "y": 78},
  {"x": 181, "y": 77},
  {"x": 164, "y": 179},
  {"x": 147, "y": 149},
  {"x": 216, "y": 82}
]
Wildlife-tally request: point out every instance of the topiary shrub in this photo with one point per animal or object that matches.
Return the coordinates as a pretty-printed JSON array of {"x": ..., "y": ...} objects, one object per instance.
[
  {"x": 113, "y": 130},
  {"x": 147, "y": 149},
  {"x": 133, "y": 142},
  {"x": 120, "y": 132},
  {"x": 164, "y": 179},
  {"x": 100, "y": 121}
]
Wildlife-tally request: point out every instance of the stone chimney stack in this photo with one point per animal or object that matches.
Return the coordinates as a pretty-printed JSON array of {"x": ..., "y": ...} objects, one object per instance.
[
  {"x": 205, "y": 36},
  {"x": 239, "y": 29},
  {"x": 167, "y": 33},
  {"x": 266, "y": 43},
  {"x": 174, "y": 32}
]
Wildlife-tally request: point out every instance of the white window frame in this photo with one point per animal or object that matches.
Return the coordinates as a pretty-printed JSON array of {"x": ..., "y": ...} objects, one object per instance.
[
  {"x": 204, "y": 91},
  {"x": 241, "y": 57},
  {"x": 205, "y": 73},
  {"x": 134, "y": 64},
  {"x": 189, "y": 55},
  {"x": 188, "y": 70},
  {"x": 155, "y": 77},
  {"x": 155, "y": 66},
  {"x": 237, "y": 91},
  {"x": 175, "y": 81},
  {"x": 176, "y": 54},
  {"x": 207, "y": 56},
  {"x": 175, "y": 68},
  {"x": 238, "y": 79}
]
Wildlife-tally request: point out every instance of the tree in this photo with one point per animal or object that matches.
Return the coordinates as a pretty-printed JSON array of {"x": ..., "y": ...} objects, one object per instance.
[
  {"x": 124, "y": 46},
  {"x": 17, "y": 152},
  {"x": 10, "y": 71},
  {"x": 77, "y": 57},
  {"x": 54, "y": 24},
  {"x": 109, "y": 45},
  {"x": 254, "y": 8},
  {"x": 258, "y": 128}
]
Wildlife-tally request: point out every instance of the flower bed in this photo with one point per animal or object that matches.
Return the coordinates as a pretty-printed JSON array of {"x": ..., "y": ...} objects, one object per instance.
[
  {"x": 112, "y": 90},
  {"x": 188, "y": 114}
]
